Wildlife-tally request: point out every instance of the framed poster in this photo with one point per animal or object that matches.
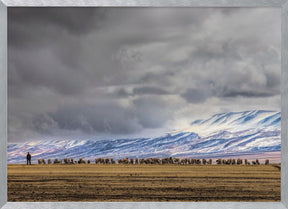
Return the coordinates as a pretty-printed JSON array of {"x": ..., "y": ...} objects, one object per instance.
[{"x": 174, "y": 102}]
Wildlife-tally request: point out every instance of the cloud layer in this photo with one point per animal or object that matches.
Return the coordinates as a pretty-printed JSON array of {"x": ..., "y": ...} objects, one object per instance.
[{"x": 107, "y": 72}]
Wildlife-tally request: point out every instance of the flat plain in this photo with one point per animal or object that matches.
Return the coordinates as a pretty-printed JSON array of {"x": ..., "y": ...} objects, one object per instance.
[{"x": 93, "y": 182}]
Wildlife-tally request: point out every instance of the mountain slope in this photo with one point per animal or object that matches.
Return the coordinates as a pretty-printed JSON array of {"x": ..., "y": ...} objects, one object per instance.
[{"x": 222, "y": 135}]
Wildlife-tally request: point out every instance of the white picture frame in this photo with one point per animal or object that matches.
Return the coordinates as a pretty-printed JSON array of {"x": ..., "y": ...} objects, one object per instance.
[{"x": 5, "y": 4}]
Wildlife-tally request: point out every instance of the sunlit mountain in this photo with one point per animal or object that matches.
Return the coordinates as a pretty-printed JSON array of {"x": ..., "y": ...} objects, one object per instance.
[{"x": 230, "y": 134}]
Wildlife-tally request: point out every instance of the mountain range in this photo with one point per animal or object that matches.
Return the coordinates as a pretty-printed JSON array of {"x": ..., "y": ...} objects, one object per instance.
[{"x": 225, "y": 135}]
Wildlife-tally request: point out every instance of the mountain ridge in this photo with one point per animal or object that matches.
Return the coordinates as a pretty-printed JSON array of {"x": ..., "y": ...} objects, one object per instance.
[{"x": 224, "y": 134}]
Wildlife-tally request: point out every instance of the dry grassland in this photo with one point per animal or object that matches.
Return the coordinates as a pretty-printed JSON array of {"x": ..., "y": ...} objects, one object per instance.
[{"x": 143, "y": 183}]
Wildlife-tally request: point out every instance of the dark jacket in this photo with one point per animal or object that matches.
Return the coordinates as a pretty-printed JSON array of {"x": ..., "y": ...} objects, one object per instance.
[{"x": 28, "y": 157}]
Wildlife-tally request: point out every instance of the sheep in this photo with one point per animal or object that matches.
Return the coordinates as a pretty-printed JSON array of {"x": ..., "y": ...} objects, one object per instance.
[
  {"x": 156, "y": 161},
  {"x": 229, "y": 162},
  {"x": 107, "y": 161},
  {"x": 219, "y": 162},
  {"x": 185, "y": 161},
  {"x": 159, "y": 161},
  {"x": 81, "y": 161},
  {"x": 112, "y": 161},
  {"x": 204, "y": 161},
  {"x": 97, "y": 160},
  {"x": 123, "y": 161},
  {"x": 175, "y": 160},
  {"x": 165, "y": 160},
  {"x": 193, "y": 161},
  {"x": 239, "y": 161},
  {"x": 210, "y": 162},
  {"x": 149, "y": 161},
  {"x": 168, "y": 160},
  {"x": 66, "y": 161},
  {"x": 56, "y": 161},
  {"x": 142, "y": 161}
]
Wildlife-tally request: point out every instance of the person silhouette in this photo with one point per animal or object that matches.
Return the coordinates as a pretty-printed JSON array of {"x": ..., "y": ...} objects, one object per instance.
[{"x": 28, "y": 157}]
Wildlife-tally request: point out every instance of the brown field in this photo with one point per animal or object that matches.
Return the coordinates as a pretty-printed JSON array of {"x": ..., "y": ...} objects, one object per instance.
[{"x": 143, "y": 183}]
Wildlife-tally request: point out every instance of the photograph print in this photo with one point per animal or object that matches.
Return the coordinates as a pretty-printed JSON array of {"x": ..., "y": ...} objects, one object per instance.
[{"x": 144, "y": 104}]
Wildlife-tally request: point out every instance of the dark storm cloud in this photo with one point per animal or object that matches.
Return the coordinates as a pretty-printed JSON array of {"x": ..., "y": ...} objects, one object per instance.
[
  {"x": 44, "y": 123},
  {"x": 152, "y": 112},
  {"x": 200, "y": 95},
  {"x": 149, "y": 90},
  {"x": 44, "y": 47},
  {"x": 273, "y": 80},
  {"x": 122, "y": 93},
  {"x": 109, "y": 118},
  {"x": 42, "y": 69},
  {"x": 32, "y": 25},
  {"x": 195, "y": 96},
  {"x": 123, "y": 70},
  {"x": 247, "y": 94}
]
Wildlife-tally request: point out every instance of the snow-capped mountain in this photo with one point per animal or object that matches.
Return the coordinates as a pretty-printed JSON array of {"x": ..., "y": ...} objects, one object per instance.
[
  {"x": 238, "y": 121},
  {"x": 222, "y": 135}
]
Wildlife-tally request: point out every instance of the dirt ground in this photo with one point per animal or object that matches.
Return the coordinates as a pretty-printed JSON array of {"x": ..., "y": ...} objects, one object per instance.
[{"x": 143, "y": 183}]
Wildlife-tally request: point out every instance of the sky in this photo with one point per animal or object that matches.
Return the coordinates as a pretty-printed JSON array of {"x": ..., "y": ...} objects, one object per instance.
[{"x": 126, "y": 72}]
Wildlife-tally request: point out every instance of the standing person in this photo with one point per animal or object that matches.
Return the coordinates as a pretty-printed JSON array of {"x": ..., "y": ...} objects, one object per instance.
[{"x": 28, "y": 157}]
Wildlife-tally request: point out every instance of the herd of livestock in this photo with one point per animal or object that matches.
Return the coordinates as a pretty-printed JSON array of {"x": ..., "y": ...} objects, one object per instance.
[{"x": 159, "y": 161}]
